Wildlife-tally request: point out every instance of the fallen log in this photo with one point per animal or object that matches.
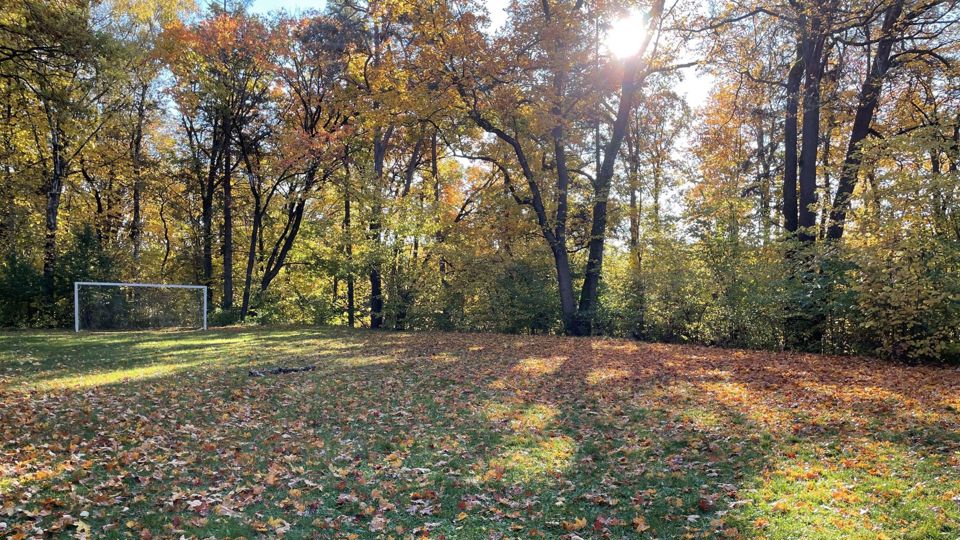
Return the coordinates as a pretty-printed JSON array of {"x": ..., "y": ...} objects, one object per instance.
[{"x": 280, "y": 371}]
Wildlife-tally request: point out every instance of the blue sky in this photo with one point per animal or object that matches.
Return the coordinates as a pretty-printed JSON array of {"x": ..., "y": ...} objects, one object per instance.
[
  {"x": 496, "y": 7},
  {"x": 266, "y": 6}
]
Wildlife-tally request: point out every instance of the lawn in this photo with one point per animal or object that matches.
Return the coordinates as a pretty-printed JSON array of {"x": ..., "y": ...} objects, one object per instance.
[{"x": 164, "y": 435}]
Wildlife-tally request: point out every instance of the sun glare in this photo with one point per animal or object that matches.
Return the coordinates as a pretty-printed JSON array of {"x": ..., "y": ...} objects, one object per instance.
[{"x": 626, "y": 35}]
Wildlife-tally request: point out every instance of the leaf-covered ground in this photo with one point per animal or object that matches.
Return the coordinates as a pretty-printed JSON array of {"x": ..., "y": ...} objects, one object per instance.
[{"x": 164, "y": 435}]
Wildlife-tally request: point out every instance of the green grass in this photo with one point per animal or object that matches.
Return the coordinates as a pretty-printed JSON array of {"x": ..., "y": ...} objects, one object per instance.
[{"x": 163, "y": 435}]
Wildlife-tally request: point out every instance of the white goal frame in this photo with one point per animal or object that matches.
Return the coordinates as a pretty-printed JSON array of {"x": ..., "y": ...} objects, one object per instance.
[{"x": 78, "y": 284}]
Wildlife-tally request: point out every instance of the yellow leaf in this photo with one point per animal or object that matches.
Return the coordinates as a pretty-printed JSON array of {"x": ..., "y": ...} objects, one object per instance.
[
  {"x": 575, "y": 525},
  {"x": 639, "y": 524}
]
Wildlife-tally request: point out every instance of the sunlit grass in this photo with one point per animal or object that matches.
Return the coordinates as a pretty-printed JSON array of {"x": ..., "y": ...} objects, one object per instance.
[
  {"x": 539, "y": 366},
  {"x": 520, "y": 416},
  {"x": 115, "y": 376},
  {"x": 527, "y": 458},
  {"x": 468, "y": 436},
  {"x": 606, "y": 375}
]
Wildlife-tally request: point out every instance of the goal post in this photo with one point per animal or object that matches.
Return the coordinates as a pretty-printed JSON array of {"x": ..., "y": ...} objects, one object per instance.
[{"x": 148, "y": 312}]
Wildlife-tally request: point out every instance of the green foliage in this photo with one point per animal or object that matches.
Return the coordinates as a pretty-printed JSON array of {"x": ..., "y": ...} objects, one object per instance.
[
  {"x": 223, "y": 317},
  {"x": 313, "y": 307},
  {"x": 355, "y": 155},
  {"x": 909, "y": 297},
  {"x": 745, "y": 308},
  {"x": 710, "y": 291},
  {"x": 899, "y": 301},
  {"x": 521, "y": 299},
  {"x": 668, "y": 293},
  {"x": 514, "y": 296},
  {"x": 21, "y": 288},
  {"x": 84, "y": 260},
  {"x": 401, "y": 295}
]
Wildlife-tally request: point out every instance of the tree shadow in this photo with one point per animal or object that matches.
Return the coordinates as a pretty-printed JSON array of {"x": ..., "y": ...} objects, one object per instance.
[{"x": 509, "y": 431}]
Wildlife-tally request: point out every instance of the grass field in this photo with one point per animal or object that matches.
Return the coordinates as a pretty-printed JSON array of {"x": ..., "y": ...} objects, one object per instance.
[{"x": 164, "y": 435}]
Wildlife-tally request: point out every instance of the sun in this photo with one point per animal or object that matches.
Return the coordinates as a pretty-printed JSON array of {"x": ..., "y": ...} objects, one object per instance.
[{"x": 625, "y": 36}]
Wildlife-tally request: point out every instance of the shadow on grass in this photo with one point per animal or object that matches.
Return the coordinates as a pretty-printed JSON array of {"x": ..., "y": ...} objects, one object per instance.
[{"x": 466, "y": 434}]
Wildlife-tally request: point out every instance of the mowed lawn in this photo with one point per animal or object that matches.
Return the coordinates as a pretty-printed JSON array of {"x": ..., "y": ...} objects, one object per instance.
[{"x": 395, "y": 435}]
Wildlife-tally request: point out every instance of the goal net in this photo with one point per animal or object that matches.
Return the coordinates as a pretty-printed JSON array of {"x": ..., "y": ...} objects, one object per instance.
[{"x": 138, "y": 306}]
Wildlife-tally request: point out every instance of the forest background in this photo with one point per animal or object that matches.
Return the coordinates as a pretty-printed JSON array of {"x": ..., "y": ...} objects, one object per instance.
[{"x": 415, "y": 165}]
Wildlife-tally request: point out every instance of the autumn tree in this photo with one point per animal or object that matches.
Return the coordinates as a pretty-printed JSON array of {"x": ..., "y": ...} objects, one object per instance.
[
  {"x": 292, "y": 147},
  {"x": 57, "y": 58},
  {"x": 532, "y": 88},
  {"x": 222, "y": 73}
]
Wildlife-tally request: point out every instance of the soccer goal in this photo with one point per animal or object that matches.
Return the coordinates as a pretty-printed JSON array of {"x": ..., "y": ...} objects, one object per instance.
[{"x": 99, "y": 305}]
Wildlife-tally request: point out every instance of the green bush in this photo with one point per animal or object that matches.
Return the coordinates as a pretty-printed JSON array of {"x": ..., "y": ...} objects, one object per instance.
[
  {"x": 908, "y": 296},
  {"x": 21, "y": 288},
  {"x": 85, "y": 259}
]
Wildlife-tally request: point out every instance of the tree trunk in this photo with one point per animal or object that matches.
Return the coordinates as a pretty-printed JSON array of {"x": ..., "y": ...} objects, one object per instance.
[
  {"x": 227, "y": 303},
  {"x": 348, "y": 245},
  {"x": 583, "y": 324},
  {"x": 283, "y": 245},
  {"x": 825, "y": 164},
  {"x": 376, "y": 289},
  {"x": 636, "y": 203},
  {"x": 763, "y": 181},
  {"x": 136, "y": 159},
  {"x": 380, "y": 141},
  {"x": 790, "y": 213},
  {"x": 206, "y": 213},
  {"x": 564, "y": 276},
  {"x": 282, "y": 248},
  {"x": 568, "y": 303},
  {"x": 813, "y": 64},
  {"x": 7, "y": 191},
  {"x": 866, "y": 108},
  {"x": 166, "y": 238},
  {"x": 54, "y": 190},
  {"x": 251, "y": 256}
]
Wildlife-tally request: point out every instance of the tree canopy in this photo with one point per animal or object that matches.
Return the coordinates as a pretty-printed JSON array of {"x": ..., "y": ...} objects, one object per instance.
[{"x": 411, "y": 165}]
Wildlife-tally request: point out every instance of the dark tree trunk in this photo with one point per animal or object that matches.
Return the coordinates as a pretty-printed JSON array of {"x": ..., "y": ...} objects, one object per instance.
[
  {"x": 206, "y": 175},
  {"x": 790, "y": 160},
  {"x": 7, "y": 190},
  {"x": 568, "y": 302},
  {"x": 810, "y": 132},
  {"x": 351, "y": 303},
  {"x": 136, "y": 159},
  {"x": 53, "y": 191},
  {"x": 636, "y": 202},
  {"x": 763, "y": 180},
  {"x": 166, "y": 238},
  {"x": 348, "y": 245},
  {"x": 380, "y": 142},
  {"x": 376, "y": 290},
  {"x": 586, "y": 311},
  {"x": 206, "y": 216},
  {"x": 826, "y": 142},
  {"x": 281, "y": 249},
  {"x": 227, "y": 303},
  {"x": 251, "y": 256},
  {"x": 564, "y": 276},
  {"x": 866, "y": 108}
]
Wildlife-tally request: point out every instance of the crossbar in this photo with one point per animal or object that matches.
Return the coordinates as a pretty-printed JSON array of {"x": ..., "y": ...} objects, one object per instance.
[
  {"x": 161, "y": 285},
  {"x": 78, "y": 284}
]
